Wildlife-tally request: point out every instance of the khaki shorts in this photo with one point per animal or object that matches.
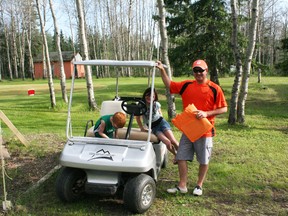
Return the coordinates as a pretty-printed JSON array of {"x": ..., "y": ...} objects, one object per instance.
[{"x": 201, "y": 147}]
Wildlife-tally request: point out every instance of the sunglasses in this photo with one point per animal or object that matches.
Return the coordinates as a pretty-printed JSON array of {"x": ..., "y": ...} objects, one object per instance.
[{"x": 198, "y": 70}]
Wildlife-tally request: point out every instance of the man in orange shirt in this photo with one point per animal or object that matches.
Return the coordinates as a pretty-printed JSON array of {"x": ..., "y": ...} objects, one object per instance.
[{"x": 209, "y": 100}]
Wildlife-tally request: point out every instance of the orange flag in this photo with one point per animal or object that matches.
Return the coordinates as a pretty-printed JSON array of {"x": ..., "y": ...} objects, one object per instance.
[{"x": 192, "y": 127}]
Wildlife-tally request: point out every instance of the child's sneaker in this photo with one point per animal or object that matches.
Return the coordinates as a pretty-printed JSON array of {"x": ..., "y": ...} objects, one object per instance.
[
  {"x": 177, "y": 189},
  {"x": 197, "y": 191}
]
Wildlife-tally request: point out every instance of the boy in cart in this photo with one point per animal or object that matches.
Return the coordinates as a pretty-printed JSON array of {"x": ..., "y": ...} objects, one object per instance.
[{"x": 108, "y": 124}]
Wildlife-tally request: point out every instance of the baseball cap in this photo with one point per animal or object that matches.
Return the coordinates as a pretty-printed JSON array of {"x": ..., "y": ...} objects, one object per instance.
[{"x": 200, "y": 63}]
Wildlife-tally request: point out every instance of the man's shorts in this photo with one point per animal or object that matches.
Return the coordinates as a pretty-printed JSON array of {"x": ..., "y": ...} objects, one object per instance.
[{"x": 201, "y": 147}]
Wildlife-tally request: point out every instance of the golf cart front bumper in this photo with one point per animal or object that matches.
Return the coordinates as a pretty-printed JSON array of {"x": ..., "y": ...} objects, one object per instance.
[{"x": 114, "y": 155}]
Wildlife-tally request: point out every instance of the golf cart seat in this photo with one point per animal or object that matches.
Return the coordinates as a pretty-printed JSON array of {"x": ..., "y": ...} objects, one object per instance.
[{"x": 109, "y": 108}]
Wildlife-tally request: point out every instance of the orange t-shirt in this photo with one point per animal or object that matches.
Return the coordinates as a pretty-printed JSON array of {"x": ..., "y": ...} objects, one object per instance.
[{"x": 207, "y": 96}]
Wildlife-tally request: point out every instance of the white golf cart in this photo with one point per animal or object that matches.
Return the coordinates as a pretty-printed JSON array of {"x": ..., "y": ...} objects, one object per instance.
[{"x": 128, "y": 166}]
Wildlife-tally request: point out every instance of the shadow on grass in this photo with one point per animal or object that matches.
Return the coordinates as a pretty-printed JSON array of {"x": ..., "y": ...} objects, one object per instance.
[{"x": 44, "y": 199}]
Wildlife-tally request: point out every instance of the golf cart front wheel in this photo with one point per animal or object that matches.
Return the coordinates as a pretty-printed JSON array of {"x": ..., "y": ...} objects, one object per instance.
[
  {"x": 139, "y": 193},
  {"x": 70, "y": 184}
]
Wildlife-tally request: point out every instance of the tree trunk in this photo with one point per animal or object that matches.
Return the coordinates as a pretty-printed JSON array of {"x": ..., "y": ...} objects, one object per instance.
[
  {"x": 50, "y": 78},
  {"x": 58, "y": 43},
  {"x": 238, "y": 74},
  {"x": 67, "y": 8},
  {"x": 164, "y": 42},
  {"x": 30, "y": 56},
  {"x": 44, "y": 62},
  {"x": 260, "y": 35},
  {"x": 14, "y": 47},
  {"x": 8, "y": 52},
  {"x": 85, "y": 55},
  {"x": 247, "y": 65},
  {"x": 22, "y": 46},
  {"x": 27, "y": 25},
  {"x": 129, "y": 36}
]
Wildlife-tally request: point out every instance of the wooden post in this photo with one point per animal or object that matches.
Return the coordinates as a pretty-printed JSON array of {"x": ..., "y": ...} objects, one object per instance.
[{"x": 13, "y": 128}]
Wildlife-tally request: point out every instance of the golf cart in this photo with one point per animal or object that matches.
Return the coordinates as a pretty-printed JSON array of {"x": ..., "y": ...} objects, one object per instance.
[{"x": 127, "y": 167}]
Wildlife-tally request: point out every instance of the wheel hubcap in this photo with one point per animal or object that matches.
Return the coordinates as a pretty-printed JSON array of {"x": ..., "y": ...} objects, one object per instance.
[
  {"x": 78, "y": 186},
  {"x": 147, "y": 195}
]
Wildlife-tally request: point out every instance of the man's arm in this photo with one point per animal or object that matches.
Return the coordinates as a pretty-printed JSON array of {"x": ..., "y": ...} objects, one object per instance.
[
  {"x": 165, "y": 78},
  {"x": 204, "y": 114}
]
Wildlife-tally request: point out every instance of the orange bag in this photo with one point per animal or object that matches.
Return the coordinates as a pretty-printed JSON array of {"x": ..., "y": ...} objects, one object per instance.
[{"x": 192, "y": 127}]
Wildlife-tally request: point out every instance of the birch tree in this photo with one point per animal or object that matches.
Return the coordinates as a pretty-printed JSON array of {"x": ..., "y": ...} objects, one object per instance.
[
  {"x": 258, "y": 52},
  {"x": 239, "y": 69},
  {"x": 248, "y": 60},
  {"x": 68, "y": 8},
  {"x": 85, "y": 55},
  {"x": 46, "y": 50},
  {"x": 237, "y": 103},
  {"x": 7, "y": 48},
  {"x": 14, "y": 51},
  {"x": 22, "y": 48},
  {"x": 58, "y": 45},
  {"x": 28, "y": 26},
  {"x": 129, "y": 35},
  {"x": 104, "y": 27},
  {"x": 164, "y": 49}
]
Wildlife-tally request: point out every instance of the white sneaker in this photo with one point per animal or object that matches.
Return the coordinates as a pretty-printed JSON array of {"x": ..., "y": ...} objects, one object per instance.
[
  {"x": 197, "y": 191},
  {"x": 176, "y": 190}
]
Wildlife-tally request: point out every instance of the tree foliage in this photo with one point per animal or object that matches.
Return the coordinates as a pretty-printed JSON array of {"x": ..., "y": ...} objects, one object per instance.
[
  {"x": 199, "y": 30},
  {"x": 282, "y": 66},
  {"x": 125, "y": 29}
]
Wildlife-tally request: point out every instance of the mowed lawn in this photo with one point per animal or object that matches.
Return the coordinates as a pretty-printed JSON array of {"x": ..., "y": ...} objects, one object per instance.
[{"x": 248, "y": 173}]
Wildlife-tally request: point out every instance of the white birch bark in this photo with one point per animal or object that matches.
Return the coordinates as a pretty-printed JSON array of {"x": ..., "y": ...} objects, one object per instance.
[
  {"x": 67, "y": 8},
  {"x": 45, "y": 72},
  {"x": 129, "y": 35},
  {"x": 7, "y": 48},
  {"x": 14, "y": 46},
  {"x": 239, "y": 70},
  {"x": 85, "y": 55},
  {"x": 164, "y": 43},
  {"x": 27, "y": 25},
  {"x": 58, "y": 44},
  {"x": 247, "y": 64},
  {"x": 50, "y": 78},
  {"x": 29, "y": 42}
]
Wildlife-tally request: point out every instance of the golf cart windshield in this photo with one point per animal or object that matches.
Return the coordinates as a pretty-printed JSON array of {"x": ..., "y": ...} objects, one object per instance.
[{"x": 114, "y": 63}]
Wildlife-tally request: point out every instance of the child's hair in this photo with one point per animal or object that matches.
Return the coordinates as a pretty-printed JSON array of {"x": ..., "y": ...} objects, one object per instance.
[
  {"x": 119, "y": 119},
  {"x": 147, "y": 92}
]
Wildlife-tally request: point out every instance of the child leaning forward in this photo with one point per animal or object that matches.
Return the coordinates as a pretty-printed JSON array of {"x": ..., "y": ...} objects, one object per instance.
[
  {"x": 108, "y": 124},
  {"x": 160, "y": 127}
]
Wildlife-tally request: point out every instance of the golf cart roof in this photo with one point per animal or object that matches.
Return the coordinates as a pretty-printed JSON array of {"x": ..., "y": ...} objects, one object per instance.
[{"x": 138, "y": 63}]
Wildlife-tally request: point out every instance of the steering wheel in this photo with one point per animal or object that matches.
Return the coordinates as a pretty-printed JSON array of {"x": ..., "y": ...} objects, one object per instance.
[{"x": 134, "y": 106}]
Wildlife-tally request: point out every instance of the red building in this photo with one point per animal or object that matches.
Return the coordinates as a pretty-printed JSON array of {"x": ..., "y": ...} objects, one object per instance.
[{"x": 68, "y": 58}]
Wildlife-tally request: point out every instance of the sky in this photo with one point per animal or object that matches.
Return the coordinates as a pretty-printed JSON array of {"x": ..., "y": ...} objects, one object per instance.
[{"x": 63, "y": 20}]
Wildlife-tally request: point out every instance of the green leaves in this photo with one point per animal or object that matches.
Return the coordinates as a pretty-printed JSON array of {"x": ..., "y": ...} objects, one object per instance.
[{"x": 199, "y": 30}]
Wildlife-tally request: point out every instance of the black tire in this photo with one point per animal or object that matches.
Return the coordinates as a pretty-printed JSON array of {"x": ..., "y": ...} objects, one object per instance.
[
  {"x": 70, "y": 184},
  {"x": 139, "y": 193}
]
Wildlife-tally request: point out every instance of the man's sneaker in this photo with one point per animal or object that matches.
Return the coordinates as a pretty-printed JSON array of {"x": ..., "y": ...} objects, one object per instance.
[
  {"x": 197, "y": 191},
  {"x": 176, "y": 190}
]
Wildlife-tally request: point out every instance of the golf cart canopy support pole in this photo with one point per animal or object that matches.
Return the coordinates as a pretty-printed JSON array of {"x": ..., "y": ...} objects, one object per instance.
[{"x": 135, "y": 63}]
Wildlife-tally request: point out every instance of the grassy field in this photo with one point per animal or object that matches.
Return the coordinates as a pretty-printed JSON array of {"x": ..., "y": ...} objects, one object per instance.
[{"x": 248, "y": 172}]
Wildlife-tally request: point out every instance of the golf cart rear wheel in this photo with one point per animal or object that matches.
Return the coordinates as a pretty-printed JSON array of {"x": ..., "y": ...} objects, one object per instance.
[
  {"x": 139, "y": 193},
  {"x": 70, "y": 184}
]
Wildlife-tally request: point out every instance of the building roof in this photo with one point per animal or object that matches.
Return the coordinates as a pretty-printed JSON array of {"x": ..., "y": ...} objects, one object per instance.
[{"x": 66, "y": 55}]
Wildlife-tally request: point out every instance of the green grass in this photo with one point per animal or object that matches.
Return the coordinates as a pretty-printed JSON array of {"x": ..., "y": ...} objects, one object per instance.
[{"x": 248, "y": 172}]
